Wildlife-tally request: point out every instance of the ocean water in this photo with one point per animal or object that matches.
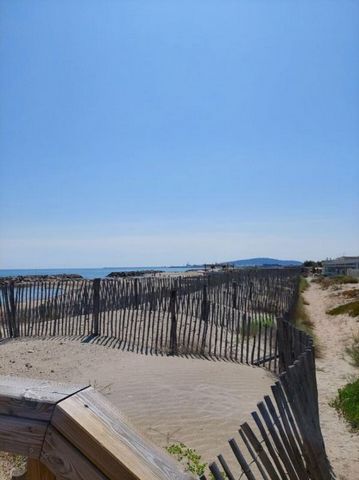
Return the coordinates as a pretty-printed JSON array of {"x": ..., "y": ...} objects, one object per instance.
[{"x": 85, "y": 272}]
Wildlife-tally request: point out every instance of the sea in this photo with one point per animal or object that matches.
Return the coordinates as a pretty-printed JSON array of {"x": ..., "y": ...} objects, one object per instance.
[{"x": 88, "y": 273}]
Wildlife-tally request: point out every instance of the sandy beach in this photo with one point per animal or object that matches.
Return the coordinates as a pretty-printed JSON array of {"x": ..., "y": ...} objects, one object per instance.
[
  {"x": 334, "y": 371},
  {"x": 169, "y": 399}
]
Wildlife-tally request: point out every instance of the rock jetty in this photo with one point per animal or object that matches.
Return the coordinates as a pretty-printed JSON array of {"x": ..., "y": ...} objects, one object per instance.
[{"x": 133, "y": 273}]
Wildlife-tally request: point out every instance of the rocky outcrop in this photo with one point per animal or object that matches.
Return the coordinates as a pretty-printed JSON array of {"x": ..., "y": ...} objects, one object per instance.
[
  {"x": 35, "y": 278},
  {"x": 132, "y": 273}
]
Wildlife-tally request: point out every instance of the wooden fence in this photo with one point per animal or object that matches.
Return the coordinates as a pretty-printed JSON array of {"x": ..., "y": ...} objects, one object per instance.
[
  {"x": 239, "y": 316},
  {"x": 285, "y": 439},
  {"x": 230, "y": 316}
]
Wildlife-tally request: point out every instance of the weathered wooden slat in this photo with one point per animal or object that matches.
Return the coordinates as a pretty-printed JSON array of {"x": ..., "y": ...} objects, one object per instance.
[
  {"x": 260, "y": 451},
  {"x": 269, "y": 446},
  {"x": 216, "y": 471},
  {"x": 225, "y": 467},
  {"x": 253, "y": 455},
  {"x": 241, "y": 460},
  {"x": 278, "y": 442}
]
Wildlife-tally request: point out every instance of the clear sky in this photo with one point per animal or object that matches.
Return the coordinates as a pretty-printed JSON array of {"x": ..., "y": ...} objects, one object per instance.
[{"x": 160, "y": 132}]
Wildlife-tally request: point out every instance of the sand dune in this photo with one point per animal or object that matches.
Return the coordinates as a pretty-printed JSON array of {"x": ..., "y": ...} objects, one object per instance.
[{"x": 169, "y": 399}]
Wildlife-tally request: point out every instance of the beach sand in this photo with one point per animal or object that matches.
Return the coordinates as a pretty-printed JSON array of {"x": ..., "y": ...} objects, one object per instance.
[
  {"x": 334, "y": 371},
  {"x": 169, "y": 399}
]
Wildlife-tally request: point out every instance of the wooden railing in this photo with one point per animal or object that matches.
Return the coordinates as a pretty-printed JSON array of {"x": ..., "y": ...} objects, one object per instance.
[{"x": 72, "y": 432}]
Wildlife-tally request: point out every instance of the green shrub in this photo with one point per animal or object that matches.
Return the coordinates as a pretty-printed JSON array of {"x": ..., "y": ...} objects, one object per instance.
[
  {"x": 189, "y": 457},
  {"x": 351, "y": 309},
  {"x": 257, "y": 322},
  {"x": 347, "y": 403}
]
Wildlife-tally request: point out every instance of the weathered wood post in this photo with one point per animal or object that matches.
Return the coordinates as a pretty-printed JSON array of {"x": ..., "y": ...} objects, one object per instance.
[
  {"x": 204, "y": 318},
  {"x": 96, "y": 306},
  {"x": 5, "y": 300},
  {"x": 234, "y": 294},
  {"x": 173, "y": 333},
  {"x": 15, "y": 329},
  {"x": 136, "y": 293}
]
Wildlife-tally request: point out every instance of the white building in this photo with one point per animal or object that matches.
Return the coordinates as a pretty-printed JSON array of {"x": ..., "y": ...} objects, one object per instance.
[{"x": 342, "y": 266}]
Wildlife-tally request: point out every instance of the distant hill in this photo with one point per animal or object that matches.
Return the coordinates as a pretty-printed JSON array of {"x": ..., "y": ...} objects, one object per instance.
[{"x": 265, "y": 261}]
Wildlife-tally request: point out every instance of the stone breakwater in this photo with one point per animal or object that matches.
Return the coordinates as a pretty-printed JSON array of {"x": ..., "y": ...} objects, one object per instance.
[
  {"x": 138, "y": 273},
  {"x": 36, "y": 278}
]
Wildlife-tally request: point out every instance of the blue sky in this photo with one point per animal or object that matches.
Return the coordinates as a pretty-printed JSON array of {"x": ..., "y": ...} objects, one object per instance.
[{"x": 160, "y": 132}]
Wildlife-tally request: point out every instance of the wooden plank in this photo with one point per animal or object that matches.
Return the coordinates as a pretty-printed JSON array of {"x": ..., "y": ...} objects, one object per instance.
[
  {"x": 66, "y": 461},
  {"x": 241, "y": 460},
  {"x": 225, "y": 467},
  {"x": 93, "y": 425},
  {"x": 26, "y": 397},
  {"x": 21, "y": 436},
  {"x": 37, "y": 471},
  {"x": 278, "y": 443},
  {"x": 255, "y": 458},
  {"x": 269, "y": 446},
  {"x": 261, "y": 453}
]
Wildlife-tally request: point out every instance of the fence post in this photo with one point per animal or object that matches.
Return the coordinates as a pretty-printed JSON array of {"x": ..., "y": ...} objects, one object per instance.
[
  {"x": 136, "y": 293},
  {"x": 173, "y": 332},
  {"x": 204, "y": 318},
  {"x": 234, "y": 287},
  {"x": 96, "y": 306},
  {"x": 12, "y": 302},
  {"x": 7, "y": 317}
]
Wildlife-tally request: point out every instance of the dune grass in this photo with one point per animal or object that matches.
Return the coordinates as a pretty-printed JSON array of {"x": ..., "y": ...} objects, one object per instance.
[
  {"x": 353, "y": 350},
  {"x": 301, "y": 318},
  {"x": 352, "y": 293},
  {"x": 326, "y": 282},
  {"x": 347, "y": 403},
  {"x": 303, "y": 284},
  {"x": 351, "y": 308}
]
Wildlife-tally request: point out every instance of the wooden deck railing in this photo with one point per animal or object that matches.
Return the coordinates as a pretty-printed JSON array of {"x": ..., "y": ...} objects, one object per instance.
[{"x": 72, "y": 432}]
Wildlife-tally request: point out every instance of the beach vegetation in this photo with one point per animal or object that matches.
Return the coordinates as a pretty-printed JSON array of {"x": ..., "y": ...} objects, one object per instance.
[
  {"x": 301, "y": 318},
  {"x": 353, "y": 350},
  {"x": 352, "y": 293},
  {"x": 351, "y": 308},
  {"x": 335, "y": 281},
  {"x": 303, "y": 284},
  {"x": 347, "y": 403},
  {"x": 257, "y": 322},
  {"x": 191, "y": 459}
]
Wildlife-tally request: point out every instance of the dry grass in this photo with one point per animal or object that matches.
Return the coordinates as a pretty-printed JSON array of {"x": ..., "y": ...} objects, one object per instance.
[
  {"x": 10, "y": 462},
  {"x": 326, "y": 282},
  {"x": 351, "y": 308},
  {"x": 353, "y": 293},
  {"x": 302, "y": 319},
  {"x": 353, "y": 350}
]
